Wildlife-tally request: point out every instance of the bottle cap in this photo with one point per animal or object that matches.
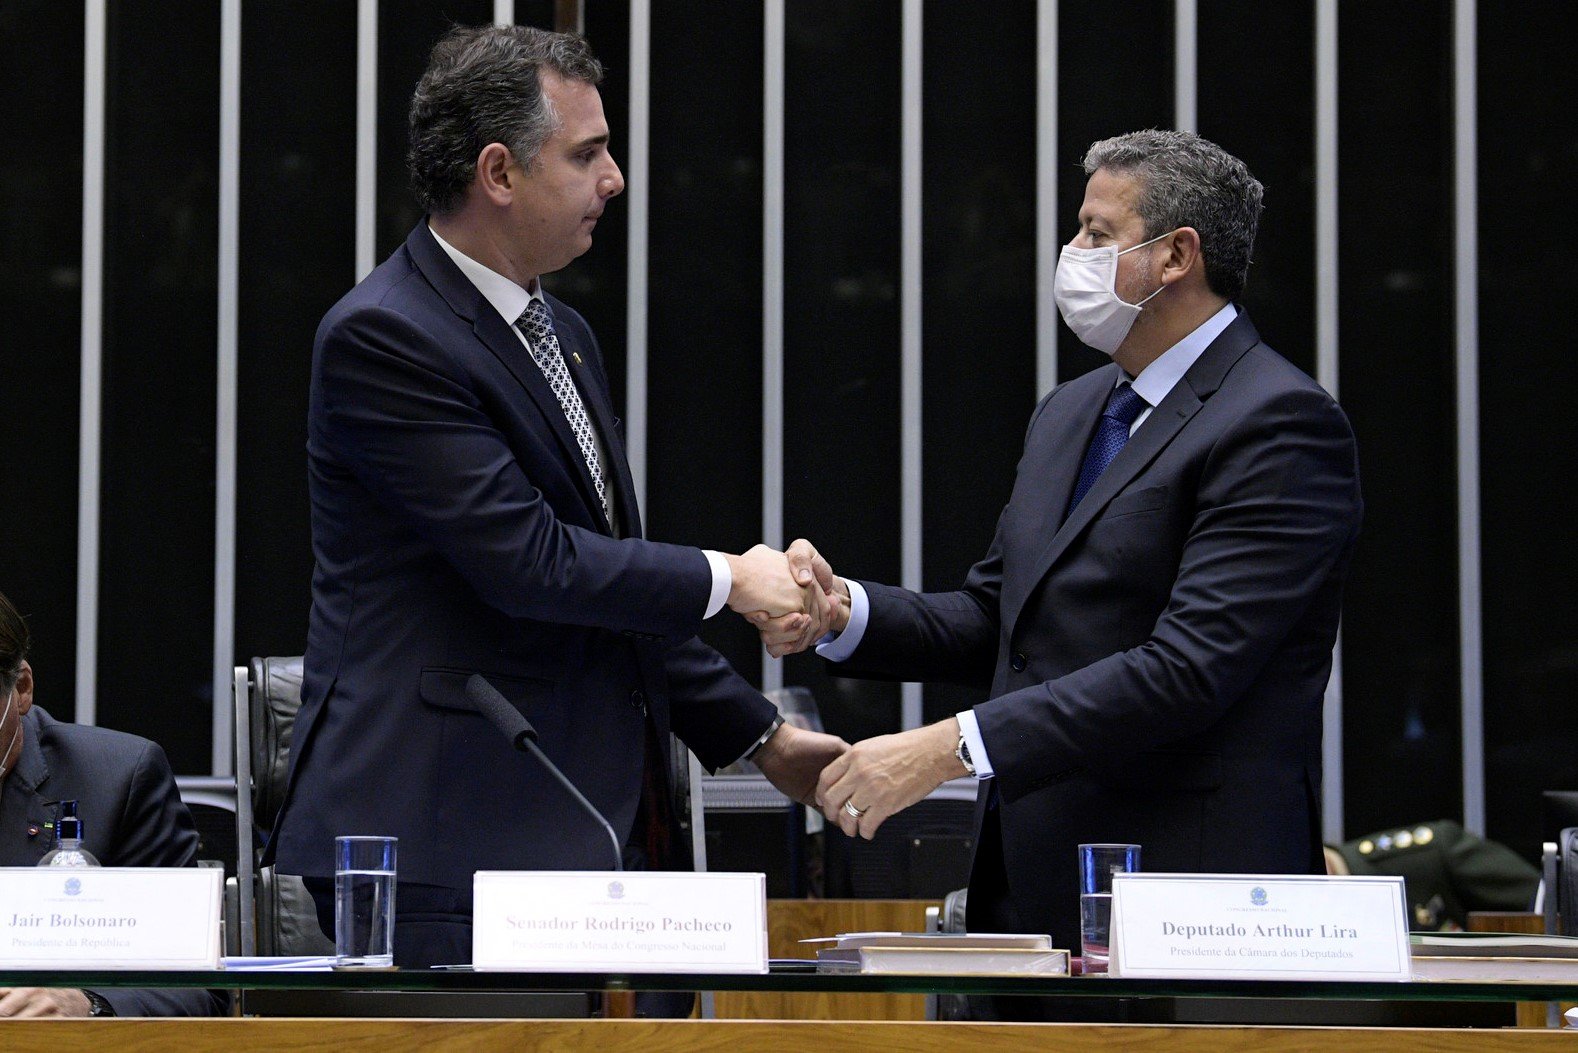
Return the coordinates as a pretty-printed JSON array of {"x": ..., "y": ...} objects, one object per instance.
[{"x": 70, "y": 825}]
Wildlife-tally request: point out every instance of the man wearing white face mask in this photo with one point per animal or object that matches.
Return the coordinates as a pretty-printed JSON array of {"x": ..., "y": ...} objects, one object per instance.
[
  {"x": 131, "y": 811},
  {"x": 1155, "y": 618}
]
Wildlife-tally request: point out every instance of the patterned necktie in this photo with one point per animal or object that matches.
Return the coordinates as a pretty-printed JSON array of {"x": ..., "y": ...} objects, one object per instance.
[
  {"x": 1123, "y": 408},
  {"x": 538, "y": 329}
]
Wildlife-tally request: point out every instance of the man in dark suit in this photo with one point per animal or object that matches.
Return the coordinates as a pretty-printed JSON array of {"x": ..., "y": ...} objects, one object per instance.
[
  {"x": 1156, "y": 614},
  {"x": 473, "y": 512},
  {"x": 131, "y": 812}
]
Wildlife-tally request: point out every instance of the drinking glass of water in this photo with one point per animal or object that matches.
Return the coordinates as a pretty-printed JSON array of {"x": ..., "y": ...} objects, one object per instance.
[
  {"x": 364, "y": 901},
  {"x": 1097, "y": 864}
]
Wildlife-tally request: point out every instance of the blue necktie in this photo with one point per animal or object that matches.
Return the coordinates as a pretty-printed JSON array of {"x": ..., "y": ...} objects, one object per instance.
[{"x": 1123, "y": 408}]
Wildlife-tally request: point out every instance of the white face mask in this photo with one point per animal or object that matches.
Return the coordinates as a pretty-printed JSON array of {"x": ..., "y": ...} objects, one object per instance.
[
  {"x": 1086, "y": 290},
  {"x": 10, "y": 702}
]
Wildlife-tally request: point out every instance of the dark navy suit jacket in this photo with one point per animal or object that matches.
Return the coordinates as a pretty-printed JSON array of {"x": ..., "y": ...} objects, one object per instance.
[
  {"x": 132, "y": 816},
  {"x": 456, "y": 530},
  {"x": 1157, "y": 662}
]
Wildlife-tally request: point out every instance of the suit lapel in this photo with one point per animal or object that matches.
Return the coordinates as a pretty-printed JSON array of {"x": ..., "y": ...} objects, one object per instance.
[
  {"x": 1070, "y": 420},
  {"x": 23, "y": 808},
  {"x": 500, "y": 338},
  {"x": 1160, "y": 428}
]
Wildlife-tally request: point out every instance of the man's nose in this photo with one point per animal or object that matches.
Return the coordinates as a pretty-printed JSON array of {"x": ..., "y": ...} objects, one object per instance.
[{"x": 613, "y": 183}]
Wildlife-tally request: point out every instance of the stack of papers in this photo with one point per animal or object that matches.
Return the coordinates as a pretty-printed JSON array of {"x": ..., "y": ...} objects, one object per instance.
[
  {"x": 975, "y": 953},
  {"x": 1512, "y": 956},
  {"x": 281, "y": 963}
]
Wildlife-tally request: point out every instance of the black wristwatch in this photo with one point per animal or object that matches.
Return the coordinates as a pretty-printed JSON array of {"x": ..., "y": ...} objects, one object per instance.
[{"x": 97, "y": 1006}]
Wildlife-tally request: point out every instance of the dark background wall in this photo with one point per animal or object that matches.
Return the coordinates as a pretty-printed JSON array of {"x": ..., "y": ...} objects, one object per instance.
[{"x": 842, "y": 327}]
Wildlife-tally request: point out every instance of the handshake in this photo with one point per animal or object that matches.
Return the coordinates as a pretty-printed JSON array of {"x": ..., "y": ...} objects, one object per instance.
[{"x": 792, "y": 597}]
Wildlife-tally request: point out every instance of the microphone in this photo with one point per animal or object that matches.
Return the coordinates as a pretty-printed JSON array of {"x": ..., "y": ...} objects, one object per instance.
[{"x": 515, "y": 727}]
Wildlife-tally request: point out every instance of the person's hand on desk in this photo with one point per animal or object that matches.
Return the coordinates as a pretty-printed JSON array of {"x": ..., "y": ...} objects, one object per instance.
[{"x": 40, "y": 1002}]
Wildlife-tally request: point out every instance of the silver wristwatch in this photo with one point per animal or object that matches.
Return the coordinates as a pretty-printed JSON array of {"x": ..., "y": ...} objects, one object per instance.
[{"x": 962, "y": 751}]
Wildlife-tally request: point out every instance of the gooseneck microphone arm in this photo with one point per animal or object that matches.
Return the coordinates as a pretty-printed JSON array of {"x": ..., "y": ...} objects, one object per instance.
[{"x": 515, "y": 727}]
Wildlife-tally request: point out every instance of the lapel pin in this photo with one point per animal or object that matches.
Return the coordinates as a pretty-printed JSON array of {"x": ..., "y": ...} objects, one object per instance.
[
  {"x": 33, "y": 829},
  {"x": 577, "y": 356}
]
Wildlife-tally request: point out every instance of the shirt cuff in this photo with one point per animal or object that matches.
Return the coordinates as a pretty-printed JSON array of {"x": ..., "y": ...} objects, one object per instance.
[
  {"x": 722, "y": 582},
  {"x": 836, "y": 647},
  {"x": 975, "y": 744}
]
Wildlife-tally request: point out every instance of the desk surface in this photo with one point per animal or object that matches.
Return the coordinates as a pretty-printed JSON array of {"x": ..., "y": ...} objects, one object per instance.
[
  {"x": 731, "y": 1036},
  {"x": 800, "y": 979}
]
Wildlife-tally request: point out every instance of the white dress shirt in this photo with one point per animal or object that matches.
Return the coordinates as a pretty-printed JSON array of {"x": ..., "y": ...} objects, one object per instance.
[
  {"x": 510, "y": 300},
  {"x": 1153, "y": 384}
]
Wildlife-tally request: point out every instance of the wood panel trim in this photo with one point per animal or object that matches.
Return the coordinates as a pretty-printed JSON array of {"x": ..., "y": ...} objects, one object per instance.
[{"x": 258, "y": 1035}]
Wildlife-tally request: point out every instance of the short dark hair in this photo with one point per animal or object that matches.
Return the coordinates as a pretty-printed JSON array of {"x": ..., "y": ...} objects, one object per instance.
[
  {"x": 483, "y": 85},
  {"x": 1187, "y": 181},
  {"x": 14, "y": 642}
]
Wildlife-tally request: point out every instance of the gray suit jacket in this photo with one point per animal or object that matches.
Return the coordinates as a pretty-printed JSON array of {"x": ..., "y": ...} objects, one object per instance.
[{"x": 131, "y": 812}]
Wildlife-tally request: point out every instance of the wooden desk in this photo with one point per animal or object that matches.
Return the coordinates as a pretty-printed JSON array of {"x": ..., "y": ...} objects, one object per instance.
[
  {"x": 791, "y": 920},
  {"x": 1530, "y": 1014},
  {"x": 734, "y": 1036}
]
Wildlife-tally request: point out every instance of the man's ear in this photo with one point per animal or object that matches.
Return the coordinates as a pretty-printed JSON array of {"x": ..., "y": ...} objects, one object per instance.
[
  {"x": 498, "y": 175},
  {"x": 1182, "y": 250},
  {"x": 24, "y": 688}
]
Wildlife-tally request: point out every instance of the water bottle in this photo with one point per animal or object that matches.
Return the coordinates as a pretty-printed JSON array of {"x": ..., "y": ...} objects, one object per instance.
[{"x": 68, "y": 850}]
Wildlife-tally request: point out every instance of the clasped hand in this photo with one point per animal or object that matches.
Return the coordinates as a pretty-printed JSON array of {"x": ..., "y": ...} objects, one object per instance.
[{"x": 792, "y": 598}]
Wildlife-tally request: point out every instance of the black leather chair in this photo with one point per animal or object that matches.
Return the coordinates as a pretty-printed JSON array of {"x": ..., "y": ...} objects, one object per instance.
[
  {"x": 276, "y": 916},
  {"x": 922, "y": 852},
  {"x": 211, "y": 799}
]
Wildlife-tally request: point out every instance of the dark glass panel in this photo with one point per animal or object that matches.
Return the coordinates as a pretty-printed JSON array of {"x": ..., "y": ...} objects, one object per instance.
[
  {"x": 1115, "y": 75},
  {"x": 704, "y": 473},
  {"x": 595, "y": 284},
  {"x": 41, "y": 301},
  {"x": 160, "y": 316},
  {"x": 842, "y": 329},
  {"x": 1258, "y": 103},
  {"x": 978, "y": 293},
  {"x": 407, "y": 31},
  {"x": 297, "y": 257},
  {"x": 1528, "y": 148},
  {"x": 1400, "y": 646}
]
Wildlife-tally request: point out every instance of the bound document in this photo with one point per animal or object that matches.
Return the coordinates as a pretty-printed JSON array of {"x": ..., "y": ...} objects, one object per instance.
[{"x": 976, "y": 953}]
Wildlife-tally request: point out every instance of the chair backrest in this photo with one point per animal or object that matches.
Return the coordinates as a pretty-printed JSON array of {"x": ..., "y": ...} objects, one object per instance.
[
  {"x": 267, "y": 696},
  {"x": 922, "y": 852},
  {"x": 274, "y": 687},
  {"x": 211, "y": 800},
  {"x": 1561, "y": 884}
]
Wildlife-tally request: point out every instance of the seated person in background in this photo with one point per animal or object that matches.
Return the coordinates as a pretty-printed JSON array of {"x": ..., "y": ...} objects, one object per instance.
[
  {"x": 1446, "y": 871},
  {"x": 131, "y": 812}
]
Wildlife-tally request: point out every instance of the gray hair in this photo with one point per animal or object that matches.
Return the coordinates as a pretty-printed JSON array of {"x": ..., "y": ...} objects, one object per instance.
[
  {"x": 484, "y": 85},
  {"x": 1187, "y": 181}
]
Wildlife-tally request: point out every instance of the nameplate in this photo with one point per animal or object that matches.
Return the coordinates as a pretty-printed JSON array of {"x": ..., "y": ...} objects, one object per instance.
[
  {"x": 606, "y": 921},
  {"x": 109, "y": 917},
  {"x": 1268, "y": 927}
]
